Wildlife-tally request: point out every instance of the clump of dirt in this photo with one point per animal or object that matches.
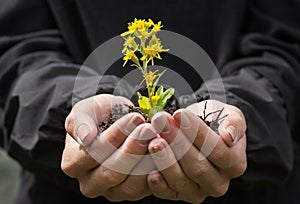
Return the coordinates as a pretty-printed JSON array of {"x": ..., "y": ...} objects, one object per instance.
[
  {"x": 120, "y": 110},
  {"x": 213, "y": 124}
]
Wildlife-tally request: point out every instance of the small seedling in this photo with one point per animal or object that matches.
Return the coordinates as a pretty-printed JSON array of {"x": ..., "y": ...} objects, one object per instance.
[{"x": 142, "y": 46}]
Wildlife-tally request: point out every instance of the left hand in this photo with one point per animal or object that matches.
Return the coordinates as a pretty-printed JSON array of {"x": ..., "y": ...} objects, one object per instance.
[
  {"x": 103, "y": 163},
  {"x": 193, "y": 161}
]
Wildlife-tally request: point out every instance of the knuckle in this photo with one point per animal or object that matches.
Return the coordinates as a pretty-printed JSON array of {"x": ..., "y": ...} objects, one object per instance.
[
  {"x": 236, "y": 109},
  {"x": 218, "y": 154},
  {"x": 164, "y": 195},
  {"x": 67, "y": 167},
  {"x": 240, "y": 117},
  {"x": 180, "y": 185},
  {"x": 198, "y": 170},
  {"x": 220, "y": 190},
  {"x": 131, "y": 193},
  {"x": 112, "y": 198},
  {"x": 199, "y": 198},
  {"x": 112, "y": 178},
  {"x": 239, "y": 112},
  {"x": 241, "y": 168},
  {"x": 86, "y": 190}
]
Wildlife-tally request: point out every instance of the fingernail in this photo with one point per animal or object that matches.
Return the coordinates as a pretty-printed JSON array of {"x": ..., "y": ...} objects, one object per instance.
[
  {"x": 131, "y": 124},
  {"x": 159, "y": 150},
  {"x": 145, "y": 136},
  {"x": 233, "y": 133},
  {"x": 162, "y": 123},
  {"x": 183, "y": 119},
  {"x": 82, "y": 132}
]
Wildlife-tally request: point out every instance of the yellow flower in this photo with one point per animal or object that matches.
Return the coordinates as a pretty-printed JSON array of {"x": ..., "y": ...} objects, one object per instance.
[
  {"x": 155, "y": 98},
  {"x": 157, "y": 27},
  {"x": 144, "y": 103},
  {"x": 153, "y": 51},
  {"x": 144, "y": 34},
  {"x": 150, "y": 22},
  {"x": 129, "y": 43},
  {"x": 130, "y": 55},
  {"x": 141, "y": 38},
  {"x": 138, "y": 24}
]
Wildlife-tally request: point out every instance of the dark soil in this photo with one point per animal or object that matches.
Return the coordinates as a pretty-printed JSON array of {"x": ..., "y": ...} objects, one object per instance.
[{"x": 120, "y": 110}]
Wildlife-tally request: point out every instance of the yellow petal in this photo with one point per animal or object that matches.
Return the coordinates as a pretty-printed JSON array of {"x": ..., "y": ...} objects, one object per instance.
[{"x": 144, "y": 57}]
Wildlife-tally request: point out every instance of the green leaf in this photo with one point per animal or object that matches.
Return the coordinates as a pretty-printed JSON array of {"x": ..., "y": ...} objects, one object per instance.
[
  {"x": 165, "y": 96},
  {"x": 160, "y": 90}
]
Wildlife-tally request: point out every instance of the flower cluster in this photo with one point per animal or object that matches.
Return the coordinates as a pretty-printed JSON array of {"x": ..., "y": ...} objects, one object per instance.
[
  {"x": 150, "y": 45},
  {"x": 140, "y": 40}
]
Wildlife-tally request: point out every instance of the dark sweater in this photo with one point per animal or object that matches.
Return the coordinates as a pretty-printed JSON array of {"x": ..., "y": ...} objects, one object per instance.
[{"x": 254, "y": 44}]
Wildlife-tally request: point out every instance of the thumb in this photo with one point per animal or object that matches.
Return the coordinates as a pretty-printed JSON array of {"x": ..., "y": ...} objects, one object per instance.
[
  {"x": 233, "y": 127},
  {"x": 86, "y": 116},
  {"x": 82, "y": 123}
]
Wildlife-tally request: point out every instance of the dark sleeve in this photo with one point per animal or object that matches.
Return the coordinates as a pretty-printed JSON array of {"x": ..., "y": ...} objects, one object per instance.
[
  {"x": 37, "y": 77},
  {"x": 263, "y": 81}
]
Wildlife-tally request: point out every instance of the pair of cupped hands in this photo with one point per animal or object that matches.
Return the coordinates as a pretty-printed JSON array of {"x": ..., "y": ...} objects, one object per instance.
[{"x": 174, "y": 157}]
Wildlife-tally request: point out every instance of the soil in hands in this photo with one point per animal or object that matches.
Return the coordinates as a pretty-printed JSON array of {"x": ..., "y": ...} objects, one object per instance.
[{"x": 120, "y": 110}]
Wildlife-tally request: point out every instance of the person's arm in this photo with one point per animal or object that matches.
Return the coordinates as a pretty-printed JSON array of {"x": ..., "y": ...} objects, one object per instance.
[
  {"x": 37, "y": 76},
  {"x": 264, "y": 83},
  {"x": 269, "y": 76}
]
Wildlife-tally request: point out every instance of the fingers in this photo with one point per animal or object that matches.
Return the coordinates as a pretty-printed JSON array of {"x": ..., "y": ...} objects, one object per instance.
[
  {"x": 77, "y": 160},
  {"x": 159, "y": 187},
  {"x": 194, "y": 129},
  {"x": 175, "y": 185},
  {"x": 166, "y": 127},
  {"x": 104, "y": 145},
  {"x": 82, "y": 126},
  {"x": 228, "y": 160},
  {"x": 232, "y": 124},
  {"x": 133, "y": 188},
  {"x": 233, "y": 128},
  {"x": 192, "y": 161},
  {"x": 132, "y": 150},
  {"x": 117, "y": 167},
  {"x": 204, "y": 138},
  {"x": 82, "y": 123}
]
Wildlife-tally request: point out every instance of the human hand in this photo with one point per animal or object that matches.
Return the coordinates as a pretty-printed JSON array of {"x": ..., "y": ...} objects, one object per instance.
[
  {"x": 193, "y": 161},
  {"x": 102, "y": 163}
]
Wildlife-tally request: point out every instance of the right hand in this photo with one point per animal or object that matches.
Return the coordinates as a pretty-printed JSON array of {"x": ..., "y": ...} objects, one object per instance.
[
  {"x": 195, "y": 161},
  {"x": 86, "y": 152}
]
